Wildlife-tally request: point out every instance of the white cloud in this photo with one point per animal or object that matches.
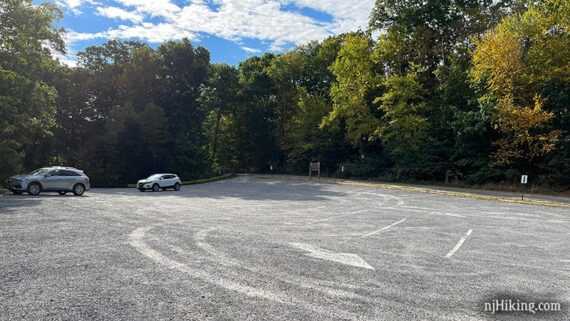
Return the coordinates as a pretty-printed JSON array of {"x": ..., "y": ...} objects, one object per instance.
[
  {"x": 258, "y": 19},
  {"x": 153, "y": 33},
  {"x": 118, "y": 13},
  {"x": 154, "y": 8},
  {"x": 69, "y": 60},
  {"x": 71, "y": 4},
  {"x": 251, "y": 50},
  {"x": 348, "y": 15},
  {"x": 264, "y": 20},
  {"x": 74, "y": 5},
  {"x": 72, "y": 36}
]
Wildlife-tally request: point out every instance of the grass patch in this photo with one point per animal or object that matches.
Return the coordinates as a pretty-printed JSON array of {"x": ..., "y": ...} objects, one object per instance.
[
  {"x": 3, "y": 191},
  {"x": 198, "y": 181}
]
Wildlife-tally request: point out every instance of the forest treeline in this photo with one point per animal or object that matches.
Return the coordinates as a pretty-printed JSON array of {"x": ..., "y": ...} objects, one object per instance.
[{"x": 476, "y": 91}]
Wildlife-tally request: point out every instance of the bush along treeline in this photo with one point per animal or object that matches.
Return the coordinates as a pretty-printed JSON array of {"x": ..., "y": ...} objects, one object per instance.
[{"x": 476, "y": 91}]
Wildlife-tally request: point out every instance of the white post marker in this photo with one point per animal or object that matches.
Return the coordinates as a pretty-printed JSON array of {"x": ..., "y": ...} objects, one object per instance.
[{"x": 524, "y": 181}]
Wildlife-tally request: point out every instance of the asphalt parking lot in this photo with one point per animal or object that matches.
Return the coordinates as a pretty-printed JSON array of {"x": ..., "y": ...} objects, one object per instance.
[{"x": 267, "y": 249}]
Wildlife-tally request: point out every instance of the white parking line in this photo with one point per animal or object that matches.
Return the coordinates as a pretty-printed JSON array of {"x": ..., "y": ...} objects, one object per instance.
[
  {"x": 384, "y": 228},
  {"x": 458, "y": 245},
  {"x": 332, "y": 218}
]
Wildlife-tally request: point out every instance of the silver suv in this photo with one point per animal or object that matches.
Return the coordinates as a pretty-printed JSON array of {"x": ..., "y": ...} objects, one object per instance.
[{"x": 50, "y": 179}]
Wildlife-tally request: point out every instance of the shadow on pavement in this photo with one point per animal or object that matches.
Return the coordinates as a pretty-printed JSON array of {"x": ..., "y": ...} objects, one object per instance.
[
  {"x": 249, "y": 189},
  {"x": 9, "y": 202}
]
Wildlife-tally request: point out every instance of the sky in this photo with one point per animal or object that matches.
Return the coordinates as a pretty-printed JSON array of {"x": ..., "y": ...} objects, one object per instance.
[{"x": 232, "y": 30}]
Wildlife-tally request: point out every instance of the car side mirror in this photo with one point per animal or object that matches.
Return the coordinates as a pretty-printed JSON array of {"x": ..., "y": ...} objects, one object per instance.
[
  {"x": 161, "y": 178},
  {"x": 46, "y": 175}
]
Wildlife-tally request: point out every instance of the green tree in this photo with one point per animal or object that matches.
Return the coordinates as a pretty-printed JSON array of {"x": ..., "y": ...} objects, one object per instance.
[
  {"x": 28, "y": 38},
  {"x": 183, "y": 71},
  {"x": 155, "y": 137},
  {"x": 255, "y": 118},
  {"x": 404, "y": 125},
  {"x": 351, "y": 94},
  {"x": 219, "y": 98},
  {"x": 310, "y": 141}
]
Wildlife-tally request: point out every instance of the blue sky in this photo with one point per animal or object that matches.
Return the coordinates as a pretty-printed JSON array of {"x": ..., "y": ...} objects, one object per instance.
[{"x": 232, "y": 30}]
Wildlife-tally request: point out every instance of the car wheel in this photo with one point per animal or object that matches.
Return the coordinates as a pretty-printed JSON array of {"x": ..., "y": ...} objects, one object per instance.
[
  {"x": 62, "y": 193},
  {"x": 78, "y": 189},
  {"x": 17, "y": 192},
  {"x": 176, "y": 187},
  {"x": 34, "y": 189},
  {"x": 155, "y": 188}
]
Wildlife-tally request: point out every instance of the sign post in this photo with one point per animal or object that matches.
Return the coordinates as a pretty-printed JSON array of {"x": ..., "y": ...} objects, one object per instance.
[
  {"x": 524, "y": 181},
  {"x": 315, "y": 167}
]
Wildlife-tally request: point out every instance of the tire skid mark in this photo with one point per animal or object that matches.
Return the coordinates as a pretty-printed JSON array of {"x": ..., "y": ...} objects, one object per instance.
[
  {"x": 200, "y": 240},
  {"x": 136, "y": 240}
]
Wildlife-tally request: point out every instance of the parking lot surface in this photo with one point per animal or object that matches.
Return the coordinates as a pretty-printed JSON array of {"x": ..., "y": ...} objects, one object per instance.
[{"x": 267, "y": 249}]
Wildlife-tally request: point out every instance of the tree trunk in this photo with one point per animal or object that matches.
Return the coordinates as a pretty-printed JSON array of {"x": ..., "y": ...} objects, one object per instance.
[{"x": 216, "y": 132}]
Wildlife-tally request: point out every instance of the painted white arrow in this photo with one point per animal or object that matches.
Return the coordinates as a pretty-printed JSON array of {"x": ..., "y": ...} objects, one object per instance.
[{"x": 343, "y": 258}]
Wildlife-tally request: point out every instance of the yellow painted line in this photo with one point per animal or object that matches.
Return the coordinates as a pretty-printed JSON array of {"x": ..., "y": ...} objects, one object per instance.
[
  {"x": 456, "y": 194},
  {"x": 429, "y": 191}
]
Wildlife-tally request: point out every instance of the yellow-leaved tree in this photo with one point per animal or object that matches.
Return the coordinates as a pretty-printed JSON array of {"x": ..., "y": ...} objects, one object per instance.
[
  {"x": 515, "y": 62},
  {"x": 522, "y": 129}
]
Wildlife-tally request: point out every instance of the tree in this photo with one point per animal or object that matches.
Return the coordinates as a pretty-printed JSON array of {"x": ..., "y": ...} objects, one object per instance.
[
  {"x": 183, "y": 71},
  {"x": 310, "y": 141},
  {"x": 425, "y": 33},
  {"x": 255, "y": 119},
  {"x": 355, "y": 80},
  {"x": 523, "y": 129},
  {"x": 155, "y": 137},
  {"x": 139, "y": 78},
  {"x": 28, "y": 37},
  {"x": 517, "y": 61},
  {"x": 404, "y": 125},
  {"x": 219, "y": 99}
]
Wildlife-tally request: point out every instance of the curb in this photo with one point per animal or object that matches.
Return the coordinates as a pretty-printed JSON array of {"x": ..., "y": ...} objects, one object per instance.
[
  {"x": 466, "y": 195},
  {"x": 208, "y": 180}
]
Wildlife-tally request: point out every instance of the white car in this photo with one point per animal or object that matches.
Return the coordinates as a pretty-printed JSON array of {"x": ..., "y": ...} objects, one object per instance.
[{"x": 157, "y": 182}]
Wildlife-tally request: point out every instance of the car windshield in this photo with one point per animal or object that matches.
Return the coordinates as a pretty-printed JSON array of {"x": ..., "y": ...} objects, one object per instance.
[
  {"x": 155, "y": 176},
  {"x": 38, "y": 171}
]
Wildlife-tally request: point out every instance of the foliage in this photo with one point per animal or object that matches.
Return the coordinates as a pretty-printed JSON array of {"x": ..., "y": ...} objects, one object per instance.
[
  {"x": 475, "y": 91},
  {"x": 523, "y": 134},
  {"x": 27, "y": 100},
  {"x": 404, "y": 124},
  {"x": 354, "y": 72},
  {"x": 517, "y": 61}
]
